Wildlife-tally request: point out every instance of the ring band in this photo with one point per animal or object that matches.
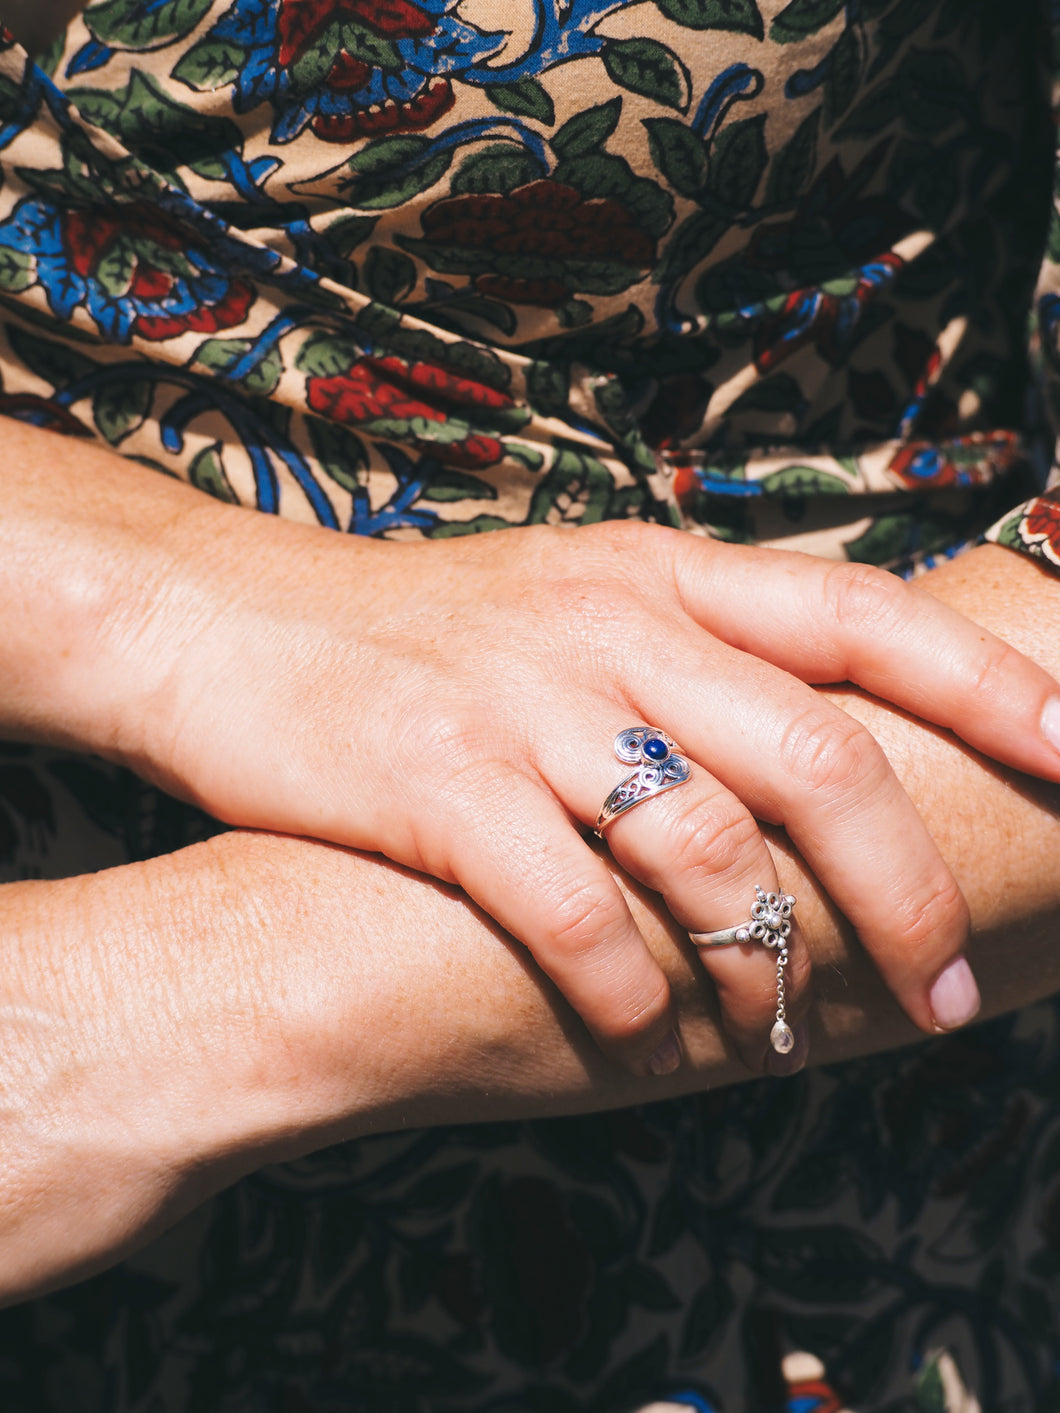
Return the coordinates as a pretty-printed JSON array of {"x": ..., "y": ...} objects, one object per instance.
[
  {"x": 659, "y": 768},
  {"x": 770, "y": 924}
]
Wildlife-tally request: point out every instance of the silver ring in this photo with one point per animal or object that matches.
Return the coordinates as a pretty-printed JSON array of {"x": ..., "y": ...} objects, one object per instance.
[
  {"x": 659, "y": 768},
  {"x": 770, "y": 924}
]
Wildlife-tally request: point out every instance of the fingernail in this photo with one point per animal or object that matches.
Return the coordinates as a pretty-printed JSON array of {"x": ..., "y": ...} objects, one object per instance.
[
  {"x": 954, "y": 998},
  {"x": 795, "y": 1059},
  {"x": 1051, "y": 722},
  {"x": 668, "y": 1056}
]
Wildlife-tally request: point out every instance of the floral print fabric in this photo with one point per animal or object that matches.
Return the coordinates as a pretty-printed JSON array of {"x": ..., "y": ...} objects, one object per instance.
[{"x": 757, "y": 268}]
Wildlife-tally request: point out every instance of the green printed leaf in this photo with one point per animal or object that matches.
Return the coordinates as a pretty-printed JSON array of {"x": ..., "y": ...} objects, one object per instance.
[
  {"x": 741, "y": 16},
  {"x": 547, "y": 387},
  {"x": 339, "y": 451},
  {"x": 647, "y": 67},
  {"x": 97, "y": 105},
  {"x": 793, "y": 167},
  {"x": 53, "y": 362},
  {"x": 134, "y": 24},
  {"x": 490, "y": 311},
  {"x": 221, "y": 354},
  {"x": 147, "y": 120},
  {"x": 573, "y": 479},
  {"x": 587, "y": 132},
  {"x": 120, "y": 407},
  {"x": 325, "y": 355},
  {"x": 210, "y": 64},
  {"x": 17, "y": 270},
  {"x": 803, "y": 481},
  {"x": 694, "y": 239},
  {"x": 207, "y": 473},
  {"x": 678, "y": 153},
  {"x": 386, "y": 173},
  {"x": 844, "y": 75},
  {"x": 738, "y": 158},
  {"x": 525, "y": 97},
  {"x": 526, "y": 456},
  {"x": 263, "y": 378},
  {"x": 314, "y": 64},
  {"x": 929, "y": 93},
  {"x": 876, "y": 111},
  {"x": 604, "y": 176},
  {"x": 934, "y": 91},
  {"x": 1009, "y": 533},
  {"x": 803, "y": 17},
  {"x": 574, "y": 313},
  {"x": 347, "y": 233},
  {"x": 480, "y": 524},
  {"x": 887, "y": 539},
  {"x": 930, "y": 1390},
  {"x": 116, "y": 269},
  {"x": 388, "y": 274},
  {"x": 498, "y": 168},
  {"x": 457, "y": 485}
]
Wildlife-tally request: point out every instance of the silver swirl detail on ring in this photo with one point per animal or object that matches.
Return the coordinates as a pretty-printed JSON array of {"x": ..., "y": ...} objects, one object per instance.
[{"x": 659, "y": 768}]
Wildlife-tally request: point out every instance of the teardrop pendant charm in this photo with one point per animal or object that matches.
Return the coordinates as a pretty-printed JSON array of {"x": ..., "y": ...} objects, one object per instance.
[{"x": 782, "y": 1038}]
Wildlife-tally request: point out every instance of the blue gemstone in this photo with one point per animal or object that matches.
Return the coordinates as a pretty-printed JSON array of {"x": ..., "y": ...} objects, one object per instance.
[{"x": 655, "y": 749}]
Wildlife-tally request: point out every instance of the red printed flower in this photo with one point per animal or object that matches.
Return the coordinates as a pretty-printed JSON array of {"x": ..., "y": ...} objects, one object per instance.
[
  {"x": 303, "y": 22},
  {"x": 304, "y": 25},
  {"x": 539, "y": 244},
  {"x": 1043, "y": 519},
  {"x": 388, "y": 390},
  {"x": 141, "y": 275},
  {"x": 963, "y": 461}
]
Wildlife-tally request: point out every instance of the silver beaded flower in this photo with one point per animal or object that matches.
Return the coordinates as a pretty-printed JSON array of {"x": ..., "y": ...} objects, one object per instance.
[{"x": 770, "y": 919}]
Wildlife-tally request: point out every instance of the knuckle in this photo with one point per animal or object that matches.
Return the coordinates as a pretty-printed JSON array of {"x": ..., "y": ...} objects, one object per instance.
[
  {"x": 445, "y": 734},
  {"x": 636, "y": 1013},
  {"x": 926, "y": 915},
  {"x": 863, "y": 598},
  {"x": 996, "y": 664},
  {"x": 580, "y": 915},
  {"x": 715, "y": 836},
  {"x": 823, "y": 749}
]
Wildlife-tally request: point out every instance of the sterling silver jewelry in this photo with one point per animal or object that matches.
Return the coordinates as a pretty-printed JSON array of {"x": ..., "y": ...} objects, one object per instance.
[
  {"x": 770, "y": 924},
  {"x": 659, "y": 768}
]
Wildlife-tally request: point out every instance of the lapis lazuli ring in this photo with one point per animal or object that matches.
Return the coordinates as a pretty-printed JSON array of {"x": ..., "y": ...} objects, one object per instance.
[
  {"x": 659, "y": 768},
  {"x": 770, "y": 924}
]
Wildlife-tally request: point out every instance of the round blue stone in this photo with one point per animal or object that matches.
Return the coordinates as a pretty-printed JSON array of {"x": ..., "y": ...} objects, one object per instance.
[{"x": 655, "y": 749}]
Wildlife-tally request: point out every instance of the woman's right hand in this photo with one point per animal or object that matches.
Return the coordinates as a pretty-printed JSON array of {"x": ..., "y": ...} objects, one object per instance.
[{"x": 453, "y": 705}]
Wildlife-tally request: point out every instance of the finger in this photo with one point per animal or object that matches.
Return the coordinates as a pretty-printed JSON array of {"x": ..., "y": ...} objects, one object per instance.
[
  {"x": 521, "y": 861},
  {"x": 702, "y": 850},
  {"x": 830, "y": 622},
  {"x": 795, "y": 759}
]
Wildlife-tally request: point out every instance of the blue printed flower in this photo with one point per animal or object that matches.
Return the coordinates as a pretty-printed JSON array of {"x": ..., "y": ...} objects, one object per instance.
[
  {"x": 346, "y": 68},
  {"x": 134, "y": 272}
]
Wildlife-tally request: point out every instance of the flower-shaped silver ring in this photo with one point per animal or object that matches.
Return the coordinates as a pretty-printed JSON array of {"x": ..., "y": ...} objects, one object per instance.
[{"x": 770, "y": 924}]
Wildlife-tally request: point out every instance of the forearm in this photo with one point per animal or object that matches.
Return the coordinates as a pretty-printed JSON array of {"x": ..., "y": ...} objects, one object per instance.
[{"x": 170, "y": 1026}]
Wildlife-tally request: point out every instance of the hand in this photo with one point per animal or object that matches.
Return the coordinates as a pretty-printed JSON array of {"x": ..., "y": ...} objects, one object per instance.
[{"x": 453, "y": 705}]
